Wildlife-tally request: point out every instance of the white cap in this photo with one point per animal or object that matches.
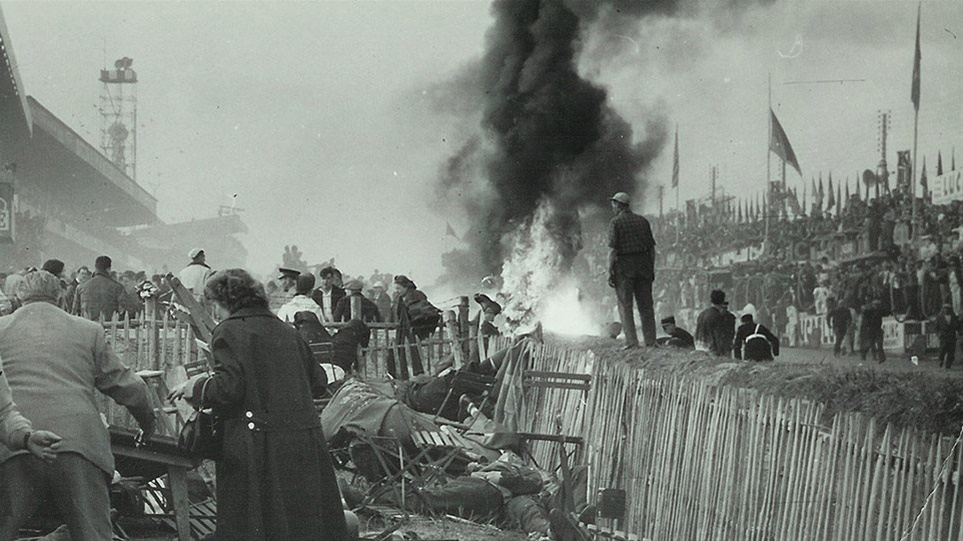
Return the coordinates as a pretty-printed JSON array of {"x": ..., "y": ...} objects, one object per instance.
[{"x": 195, "y": 252}]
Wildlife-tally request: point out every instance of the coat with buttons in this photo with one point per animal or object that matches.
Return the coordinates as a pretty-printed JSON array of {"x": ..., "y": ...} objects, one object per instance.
[{"x": 275, "y": 478}]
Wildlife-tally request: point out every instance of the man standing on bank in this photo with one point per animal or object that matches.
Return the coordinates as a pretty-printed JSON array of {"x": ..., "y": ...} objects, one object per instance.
[{"x": 632, "y": 269}]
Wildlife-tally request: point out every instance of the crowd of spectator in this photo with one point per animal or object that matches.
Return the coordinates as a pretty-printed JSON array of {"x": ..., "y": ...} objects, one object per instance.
[{"x": 795, "y": 269}]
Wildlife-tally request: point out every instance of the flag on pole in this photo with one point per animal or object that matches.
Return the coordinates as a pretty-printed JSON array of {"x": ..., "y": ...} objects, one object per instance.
[
  {"x": 675, "y": 160},
  {"x": 917, "y": 57},
  {"x": 839, "y": 199},
  {"x": 923, "y": 182},
  {"x": 794, "y": 203},
  {"x": 847, "y": 192},
  {"x": 779, "y": 144},
  {"x": 821, "y": 196},
  {"x": 939, "y": 163},
  {"x": 451, "y": 231},
  {"x": 832, "y": 196},
  {"x": 815, "y": 192}
]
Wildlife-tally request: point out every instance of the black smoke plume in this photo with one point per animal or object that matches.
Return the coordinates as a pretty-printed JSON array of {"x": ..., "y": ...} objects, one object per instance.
[{"x": 548, "y": 135}]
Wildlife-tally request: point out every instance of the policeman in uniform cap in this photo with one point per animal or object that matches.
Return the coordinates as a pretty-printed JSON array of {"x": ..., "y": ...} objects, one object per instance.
[
  {"x": 288, "y": 278},
  {"x": 632, "y": 269},
  {"x": 677, "y": 336}
]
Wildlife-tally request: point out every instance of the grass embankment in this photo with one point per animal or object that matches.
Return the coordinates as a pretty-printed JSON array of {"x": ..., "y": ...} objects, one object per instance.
[{"x": 896, "y": 391}]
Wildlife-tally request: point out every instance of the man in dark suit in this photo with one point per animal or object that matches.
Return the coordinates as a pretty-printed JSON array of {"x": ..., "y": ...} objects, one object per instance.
[
  {"x": 947, "y": 330},
  {"x": 871, "y": 331},
  {"x": 714, "y": 329},
  {"x": 328, "y": 294},
  {"x": 101, "y": 296},
  {"x": 54, "y": 382},
  {"x": 754, "y": 341}
]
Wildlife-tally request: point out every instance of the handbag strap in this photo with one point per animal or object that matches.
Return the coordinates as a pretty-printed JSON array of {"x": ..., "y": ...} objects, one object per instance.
[{"x": 204, "y": 391}]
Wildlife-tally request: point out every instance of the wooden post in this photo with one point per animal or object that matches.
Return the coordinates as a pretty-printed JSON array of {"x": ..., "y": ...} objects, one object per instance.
[
  {"x": 177, "y": 477},
  {"x": 355, "y": 306},
  {"x": 463, "y": 325},
  {"x": 153, "y": 337},
  {"x": 473, "y": 351},
  {"x": 451, "y": 325}
]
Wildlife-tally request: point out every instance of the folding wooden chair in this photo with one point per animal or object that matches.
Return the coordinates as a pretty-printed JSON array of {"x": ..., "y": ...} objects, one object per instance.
[
  {"x": 437, "y": 452},
  {"x": 537, "y": 379}
]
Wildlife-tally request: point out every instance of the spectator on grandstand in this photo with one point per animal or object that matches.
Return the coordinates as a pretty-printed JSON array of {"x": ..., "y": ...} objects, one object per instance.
[{"x": 820, "y": 296}]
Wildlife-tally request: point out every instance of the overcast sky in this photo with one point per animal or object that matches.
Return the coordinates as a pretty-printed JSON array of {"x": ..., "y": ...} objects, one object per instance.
[{"x": 319, "y": 115}]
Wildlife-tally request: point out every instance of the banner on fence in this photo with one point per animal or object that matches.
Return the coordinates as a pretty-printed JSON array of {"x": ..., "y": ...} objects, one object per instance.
[
  {"x": 815, "y": 332},
  {"x": 894, "y": 338},
  {"x": 947, "y": 188}
]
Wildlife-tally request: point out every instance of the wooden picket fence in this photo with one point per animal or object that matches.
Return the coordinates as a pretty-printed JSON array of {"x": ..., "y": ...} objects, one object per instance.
[
  {"x": 704, "y": 462},
  {"x": 159, "y": 342}
]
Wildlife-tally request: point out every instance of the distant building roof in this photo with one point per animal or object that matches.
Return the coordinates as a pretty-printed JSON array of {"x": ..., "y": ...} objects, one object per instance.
[
  {"x": 49, "y": 123},
  {"x": 13, "y": 101}
]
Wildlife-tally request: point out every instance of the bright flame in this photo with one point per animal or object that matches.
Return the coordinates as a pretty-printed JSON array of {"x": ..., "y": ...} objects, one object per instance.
[
  {"x": 563, "y": 313},
  {"x": 540, "y": 288}
]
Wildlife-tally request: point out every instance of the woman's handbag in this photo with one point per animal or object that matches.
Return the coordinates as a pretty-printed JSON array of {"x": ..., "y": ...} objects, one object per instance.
[{"x": 202, "y": 435}]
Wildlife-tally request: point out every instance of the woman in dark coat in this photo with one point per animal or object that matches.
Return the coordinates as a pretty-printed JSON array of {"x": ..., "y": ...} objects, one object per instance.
[{"x": 275, "y": 480}]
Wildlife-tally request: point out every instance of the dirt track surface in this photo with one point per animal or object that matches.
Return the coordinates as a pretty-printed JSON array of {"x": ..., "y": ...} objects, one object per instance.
[{"x": 896, "y": 391}]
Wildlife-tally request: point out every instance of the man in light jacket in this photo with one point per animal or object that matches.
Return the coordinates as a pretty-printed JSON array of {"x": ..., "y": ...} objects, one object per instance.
[
  {"x": 196, "y": 273},
  {"x": 18, "y": 434},
  {"x": 54, "y": 362}
]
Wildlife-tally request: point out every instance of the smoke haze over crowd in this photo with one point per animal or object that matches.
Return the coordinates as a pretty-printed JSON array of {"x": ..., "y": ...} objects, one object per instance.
[{"x": 331, "y": 120}]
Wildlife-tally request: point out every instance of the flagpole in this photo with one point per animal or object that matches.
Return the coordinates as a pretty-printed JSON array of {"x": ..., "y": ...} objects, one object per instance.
[
  {"x": 916, "y": 120},
  {"x": 768, "y": 159}
]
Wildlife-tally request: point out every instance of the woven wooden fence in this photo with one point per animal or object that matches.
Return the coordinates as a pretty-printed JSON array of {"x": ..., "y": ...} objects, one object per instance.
[{"x": 704, "y": 462}]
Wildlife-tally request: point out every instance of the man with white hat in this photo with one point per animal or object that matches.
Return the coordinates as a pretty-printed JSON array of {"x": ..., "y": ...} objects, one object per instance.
[
  {"x": 632, "y": 269},
  {"x": 196, "y": 273}
]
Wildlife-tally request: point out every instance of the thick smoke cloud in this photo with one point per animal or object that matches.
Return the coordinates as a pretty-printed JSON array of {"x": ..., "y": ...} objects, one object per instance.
[{"x": 548, "y": 135}]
